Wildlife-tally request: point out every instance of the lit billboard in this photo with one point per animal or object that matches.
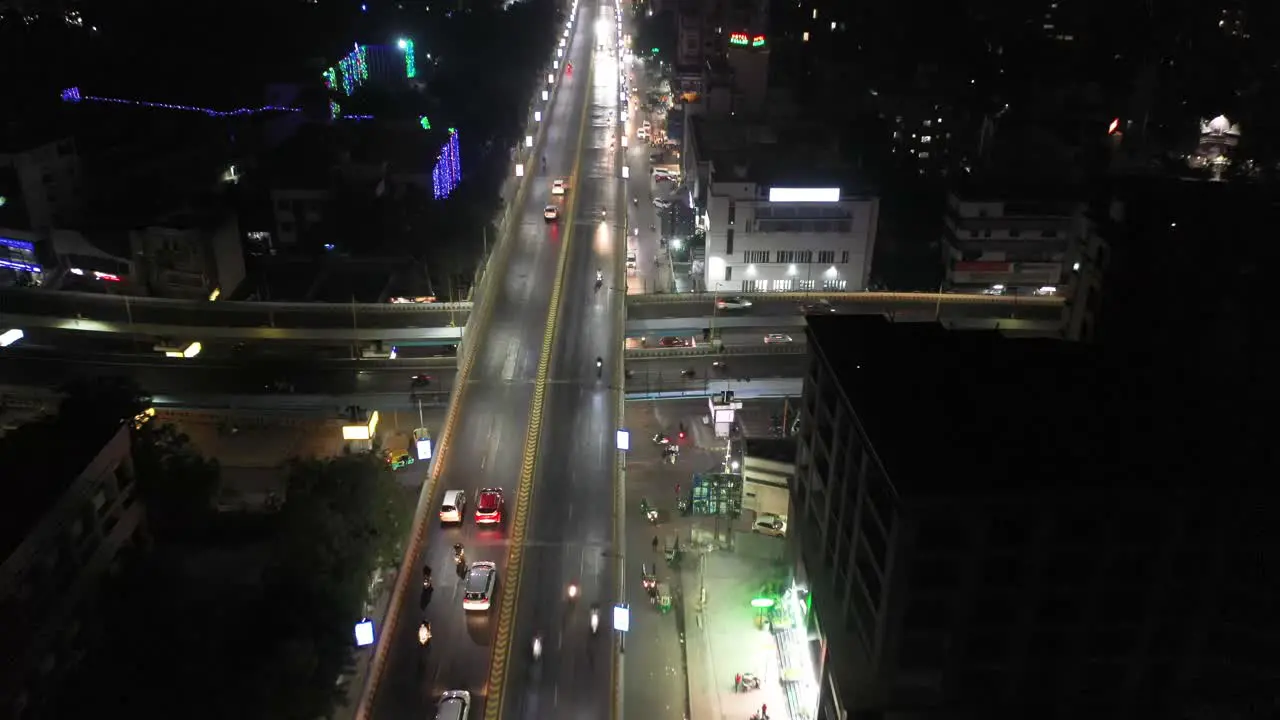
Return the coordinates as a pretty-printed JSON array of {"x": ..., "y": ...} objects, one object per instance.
[{"x": 804, "y": 195}]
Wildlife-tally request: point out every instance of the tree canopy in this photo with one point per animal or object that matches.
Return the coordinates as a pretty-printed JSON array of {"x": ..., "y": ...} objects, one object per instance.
[{"x": 259, "y": 628}]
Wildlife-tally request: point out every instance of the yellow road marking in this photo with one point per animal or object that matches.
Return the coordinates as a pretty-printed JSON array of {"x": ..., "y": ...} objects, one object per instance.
[{"x": 499, "y": 663}]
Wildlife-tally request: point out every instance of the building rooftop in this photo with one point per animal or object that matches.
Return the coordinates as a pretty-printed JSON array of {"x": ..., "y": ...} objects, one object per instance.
[
  {"x": 41, "y": 460},
  {"x": 962, "y": 411},
  {"x": 799, "y": 154}
]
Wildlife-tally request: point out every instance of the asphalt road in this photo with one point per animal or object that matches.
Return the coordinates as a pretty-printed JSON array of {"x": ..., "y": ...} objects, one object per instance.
[
  {"x": 114, "y": 308},
  {"x": 955, "y": 307},
  {"x": 487, "y": 443},
  {"x": 570, "y": 533}
]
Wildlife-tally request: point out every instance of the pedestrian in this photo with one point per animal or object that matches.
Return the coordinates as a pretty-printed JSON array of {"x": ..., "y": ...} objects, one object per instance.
[
  {"x": 737, "y": 682},
  {"x": 764, "y": 711},
  {"x": 655, "y": 543}
]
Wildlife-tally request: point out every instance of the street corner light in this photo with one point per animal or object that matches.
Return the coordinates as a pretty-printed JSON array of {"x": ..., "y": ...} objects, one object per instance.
[
  {"x": 546, "y": 95},
  {"x": 537, "y": 116},
  {"x": 9, "y": 337},
  {"x": 519, "y": 169},
  {"x": 528, "y": 140}
]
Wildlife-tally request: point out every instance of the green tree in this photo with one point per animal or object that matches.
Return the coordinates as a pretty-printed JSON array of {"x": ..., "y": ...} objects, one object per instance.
[{"x": 176, "y": 482}]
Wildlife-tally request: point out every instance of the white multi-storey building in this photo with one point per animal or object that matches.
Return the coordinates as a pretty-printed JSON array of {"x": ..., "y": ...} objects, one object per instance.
[
  {"x": 762, "y": 238},
  {"x": 773, "y": 222}
]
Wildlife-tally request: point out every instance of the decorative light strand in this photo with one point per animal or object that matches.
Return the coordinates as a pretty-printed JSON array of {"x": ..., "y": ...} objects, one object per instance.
[
  {"x": 335, "y": 110},
  {"x": 448, "y": 170},
  {"x": 73, "y": 95},
  {"x": 410, "y": 61}
]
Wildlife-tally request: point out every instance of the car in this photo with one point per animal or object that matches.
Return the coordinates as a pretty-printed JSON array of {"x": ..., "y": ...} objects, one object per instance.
[
  {"x": 452, "y": 506},
  {"x": 557, "y": 187},
  {"x": 661, "y": 203},
  {"x": 551, "y": 212},
  {"x": 477, "y": 592},
  {"x": 662, "y": 173},
  {"x": 645, "y": 125},
  {"x": 821, "y": 306},
  {"x": 631, "y": 259},
  {"x": 733, "y": 303},
  {"x": 454, "y": 705},
  {"x": 489, "y": 506},
  {"x": 402, "y": 460},
  {"x": 770, "y": 524},
  {"x": 420, "y": 381},
  {"x": 776, "y": 339},
  {"x": 672, "y": 341}
]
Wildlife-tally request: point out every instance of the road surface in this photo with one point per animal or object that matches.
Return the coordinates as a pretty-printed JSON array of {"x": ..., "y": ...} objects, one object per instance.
[
  {"x": 487, "y": 443},
  {"x": 570, "y": 532}
]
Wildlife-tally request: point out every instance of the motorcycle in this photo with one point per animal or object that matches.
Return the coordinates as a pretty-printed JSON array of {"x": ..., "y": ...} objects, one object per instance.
[
  {"x": 426, "y": 577},
  {"x": 689, "y": 372},
  {"x": 573, "y": 591},
  {"x": 537, "y": 647},
  {"x": 749, "y": 682},
  {"x": 424, "y": 633},
  {"x": 661, "y": 439},
  {"x": 595, "y": 619}
]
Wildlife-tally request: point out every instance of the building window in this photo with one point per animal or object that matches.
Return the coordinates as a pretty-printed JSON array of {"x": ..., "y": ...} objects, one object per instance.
[
  {"x": 728, "y": 272},
  {"x": 749, "y": 286},
  {"x": 826, "y": 257},
  {"x": 733, "y": 211},
  {"x": 755, "y": 256},
  {"x": 844, "y": 257},
  {"x": 728, "y": 241},
  {"x": 838, "y": 285},
  {"x": 804, "y": 285}
]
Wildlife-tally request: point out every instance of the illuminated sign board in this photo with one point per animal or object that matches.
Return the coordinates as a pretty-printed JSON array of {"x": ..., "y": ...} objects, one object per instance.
[
  {"x": 757, "y": 41},
  {"x": 804, "y": 195},
  {"x": 739, "y": 39}
]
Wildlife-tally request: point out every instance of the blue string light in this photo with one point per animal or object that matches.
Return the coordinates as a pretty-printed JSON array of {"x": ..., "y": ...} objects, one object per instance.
[
  {"x": 448, "y": 170},
  {"x": 73, "y": 95}
]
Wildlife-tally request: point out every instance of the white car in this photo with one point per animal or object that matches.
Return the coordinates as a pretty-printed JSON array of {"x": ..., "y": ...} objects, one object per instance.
[
  {"x": 661, "y": 203},
  {"x": 733, "y": 303},
  {"x": 776, "y": 339},
  {"x": 557, "y": 187},
  {"x": 551, "y": 212},
  {"x": 770, "y": 524},
  {"x": 477, "y": 592},
  {"x": 452, "y": 506},
  {"x": 454, "y": 705}
]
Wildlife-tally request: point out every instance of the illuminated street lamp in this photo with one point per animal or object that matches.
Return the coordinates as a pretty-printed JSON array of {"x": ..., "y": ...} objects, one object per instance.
[
  {"x": 519, "y": 169},
  {"x": 528, "y": 141}
]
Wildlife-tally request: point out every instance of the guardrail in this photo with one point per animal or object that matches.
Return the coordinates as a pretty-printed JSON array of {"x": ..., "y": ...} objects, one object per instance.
[
  {"x": 707, "y": 351},
  {"x": 852, "y": 297},
  {"x": 231, "y": 306}
]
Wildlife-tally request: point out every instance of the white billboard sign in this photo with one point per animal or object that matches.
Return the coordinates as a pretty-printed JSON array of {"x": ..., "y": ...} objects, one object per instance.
[{"x": 804, "y": 195}]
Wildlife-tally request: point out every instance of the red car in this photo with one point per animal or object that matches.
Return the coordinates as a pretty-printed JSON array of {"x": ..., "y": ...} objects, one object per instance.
[
  {"x": 489, "y": 506},
  {"x": 672, "y": 341}
]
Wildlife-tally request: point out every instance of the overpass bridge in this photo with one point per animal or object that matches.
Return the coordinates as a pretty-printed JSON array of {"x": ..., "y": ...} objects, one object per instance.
[{"x": 444, "y": 323}]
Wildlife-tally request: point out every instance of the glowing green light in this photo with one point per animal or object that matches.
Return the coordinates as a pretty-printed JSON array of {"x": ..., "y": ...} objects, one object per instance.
[
  {"x": 762, "y": 603},
  {"x": 410, "y": 61},
  {"x": 424, "y": 122},
  {"x": 453, "y": 131},
  {"x": 654, "y": 50}
]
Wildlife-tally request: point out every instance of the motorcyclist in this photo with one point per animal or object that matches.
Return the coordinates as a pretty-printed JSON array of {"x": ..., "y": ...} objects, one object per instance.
[
  {"x": 537, "y": 646},
  {"x": 424, "y": 633},
  {"x": 426, "y": 577},
  {"x": 599, "y": 365},
  {"x": 595, "y": 617},
  {"x": 599, "y": 275},
  {"x": 573, "y": 591},
  {"x": 459, "y": 554}
]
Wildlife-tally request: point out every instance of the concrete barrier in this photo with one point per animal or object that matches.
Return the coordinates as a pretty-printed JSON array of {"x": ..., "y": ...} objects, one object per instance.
[
  {"x": 707, "y": 351},
  {"x": 921, "y": 298}
]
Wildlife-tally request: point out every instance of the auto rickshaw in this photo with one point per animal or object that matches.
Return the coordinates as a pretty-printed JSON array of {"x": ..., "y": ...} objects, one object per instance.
[{"x": 662, "y": 598}]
